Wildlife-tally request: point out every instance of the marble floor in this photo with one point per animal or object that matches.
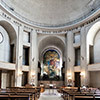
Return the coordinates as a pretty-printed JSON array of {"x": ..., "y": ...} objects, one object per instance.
[{"x": 50, "y": 95}]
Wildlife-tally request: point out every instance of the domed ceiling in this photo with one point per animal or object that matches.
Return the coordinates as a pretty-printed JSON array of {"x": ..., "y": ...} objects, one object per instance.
[{"x": 52, "y": 12}]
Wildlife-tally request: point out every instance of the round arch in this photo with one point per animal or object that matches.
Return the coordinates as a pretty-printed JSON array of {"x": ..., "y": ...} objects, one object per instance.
[
  {"x": 92, "y": 32},
  {"x": 90, "y": 37},
  {"x": 10, "y": 48},
  {"x": 52, "y": 48},
  {"x": 51, "y": 41},
  {"x": 58, "y": 63},
  {"x": 9, "y": 27}
]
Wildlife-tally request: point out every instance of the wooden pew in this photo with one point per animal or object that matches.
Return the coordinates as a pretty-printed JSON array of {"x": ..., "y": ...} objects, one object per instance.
[
  {"x": 20, "y": 93},
  {"x": 74, "y": 94},
  {"x": 14, "y": 96}
]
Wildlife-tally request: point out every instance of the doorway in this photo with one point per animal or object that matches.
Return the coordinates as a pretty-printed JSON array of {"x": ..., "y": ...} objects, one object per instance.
[
  {"x": 77, "y": 79},
  {"x": 25, "y": 55},
  {"x": 24, "y": 78}
]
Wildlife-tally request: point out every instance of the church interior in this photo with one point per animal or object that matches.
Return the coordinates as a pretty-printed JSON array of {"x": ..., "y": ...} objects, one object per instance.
[{"x": 49, "y": 49}]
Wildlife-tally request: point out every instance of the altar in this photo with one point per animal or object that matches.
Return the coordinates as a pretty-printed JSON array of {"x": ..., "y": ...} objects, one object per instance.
[
  {"x": 51, "y": 88},
  {"x": 47, "y": 83}
]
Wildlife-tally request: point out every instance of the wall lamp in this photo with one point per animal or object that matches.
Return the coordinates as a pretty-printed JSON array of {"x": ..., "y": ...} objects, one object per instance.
[
  {"x": 82, "y": 57},
  {"x": 33, "y": 75},
  {"x": 20, "y": 57},
  {"x": 33, "y": 59},
  {"x": 82, "y": 73},
  {"x": 69, "y": 59},
  {"x": 20, "y": 73}
]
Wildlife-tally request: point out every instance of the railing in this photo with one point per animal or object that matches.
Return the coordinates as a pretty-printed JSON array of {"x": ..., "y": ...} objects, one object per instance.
[{"x": 30, "y": 22}]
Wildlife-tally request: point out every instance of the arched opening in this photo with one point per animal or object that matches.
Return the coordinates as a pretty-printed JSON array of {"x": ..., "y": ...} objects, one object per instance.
[
  {"x": 51, "y": 58},
  {"x": 93, "y": 43},
  {"x": 4, "y": 45},
  {"x": 93, "y": 52},
  {"x": 8, "y": 44},
  {"x": 7, "y": 52}
]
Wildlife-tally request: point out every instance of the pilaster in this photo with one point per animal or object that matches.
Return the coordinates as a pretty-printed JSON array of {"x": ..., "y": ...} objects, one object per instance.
[
  {"x": 19, "y": 53},
  {"x": 33, "y": 70},
  {"x": 70, "y": 59},
  {"x": 84, "y": 67}
]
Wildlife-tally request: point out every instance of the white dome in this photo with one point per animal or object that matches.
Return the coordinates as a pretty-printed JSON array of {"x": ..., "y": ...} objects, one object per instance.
[{"x": 52, "y": 12}]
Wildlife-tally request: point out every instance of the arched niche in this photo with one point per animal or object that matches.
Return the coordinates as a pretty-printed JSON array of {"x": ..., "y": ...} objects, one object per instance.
[
  {"x": 8, "y": 44},
  {"x": 92, "y": 43},
  {"x": 51, "y": 64},
  {"x": 51, "y": 43}
]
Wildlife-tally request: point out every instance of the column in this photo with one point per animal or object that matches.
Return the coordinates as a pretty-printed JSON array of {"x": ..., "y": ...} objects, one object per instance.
[
  {"x": 84, "y": 67},
  {"x": 19, "y": 54},
  {"x": 70, "y": 59},
  {"x": 33, "y": 70}
]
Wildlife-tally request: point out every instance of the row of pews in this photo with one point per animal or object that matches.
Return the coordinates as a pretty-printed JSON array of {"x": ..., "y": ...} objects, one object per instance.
[
  {"x": 20, "y": 93},
  {"x": 74, "y": 93}
]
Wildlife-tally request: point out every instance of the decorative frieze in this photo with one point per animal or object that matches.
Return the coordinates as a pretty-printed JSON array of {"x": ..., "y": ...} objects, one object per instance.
[
  {"x": 27, "y": 28},
  {"x": 6, "y": 16},
  {"x": 17, "y": 23},
  {"x": 51, "y": 31}
]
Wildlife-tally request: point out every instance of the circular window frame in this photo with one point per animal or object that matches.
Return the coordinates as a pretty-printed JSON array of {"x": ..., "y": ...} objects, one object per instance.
[{"x": 2, "y": 38}]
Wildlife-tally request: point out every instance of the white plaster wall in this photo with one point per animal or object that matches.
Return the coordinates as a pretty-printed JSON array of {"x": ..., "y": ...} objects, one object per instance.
[
  {"x": 77, "y": 38},
  {"x": 95, "y": 79},
  {"x": 25, "y": 37},
  {"x": 4, "y": 46},
  {"x": 97, "y": 48},
  {"x": 51, "y": 11}
]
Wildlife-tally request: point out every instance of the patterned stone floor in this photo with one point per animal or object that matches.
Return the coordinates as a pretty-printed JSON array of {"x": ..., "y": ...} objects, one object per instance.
[{"x": 50, "y": 95}]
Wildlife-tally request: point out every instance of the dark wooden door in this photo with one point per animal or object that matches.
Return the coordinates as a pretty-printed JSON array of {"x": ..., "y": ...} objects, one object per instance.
[
  {"x": 77, "y": 79},
  {"x": 24, "y": 78}
]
